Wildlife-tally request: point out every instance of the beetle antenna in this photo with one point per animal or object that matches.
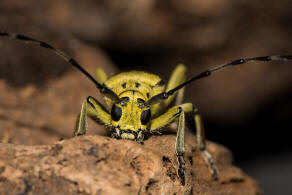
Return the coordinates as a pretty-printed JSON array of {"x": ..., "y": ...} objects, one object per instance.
[
  {"x": 155, "y": 99},
  {"x": 102, "y": 88}
]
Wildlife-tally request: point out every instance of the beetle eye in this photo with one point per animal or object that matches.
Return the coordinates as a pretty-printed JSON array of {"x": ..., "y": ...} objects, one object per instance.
[
  {"x": 145, "y": 116},
  {"x": 116, "y": 113}
]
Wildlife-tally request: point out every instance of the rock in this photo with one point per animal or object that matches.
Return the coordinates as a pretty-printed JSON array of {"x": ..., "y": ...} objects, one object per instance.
[{"x": 102, "y": 165}]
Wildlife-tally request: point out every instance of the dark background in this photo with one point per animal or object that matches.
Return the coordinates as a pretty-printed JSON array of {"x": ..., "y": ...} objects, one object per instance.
[{"x": 246, "y": 108}]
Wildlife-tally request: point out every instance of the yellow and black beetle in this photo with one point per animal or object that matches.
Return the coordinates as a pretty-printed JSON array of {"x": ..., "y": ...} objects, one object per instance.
[{"x": 139, "y": 103}]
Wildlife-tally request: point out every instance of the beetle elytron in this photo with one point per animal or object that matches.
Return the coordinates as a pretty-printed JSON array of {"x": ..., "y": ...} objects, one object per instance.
[{"x": 139, "y": 103}]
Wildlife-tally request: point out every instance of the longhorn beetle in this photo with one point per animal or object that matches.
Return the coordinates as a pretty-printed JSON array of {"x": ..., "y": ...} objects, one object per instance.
[{"x": 139, "y": 102}]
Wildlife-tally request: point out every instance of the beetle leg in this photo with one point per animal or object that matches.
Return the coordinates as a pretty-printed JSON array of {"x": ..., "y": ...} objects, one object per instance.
[
  {"x": 171, "y": 115},
  {"x": 81, "y": 121},
  {"x": 177, "y": 77},
  {"x": 168, "y": 117},
  {"x": 95, "y": 111},
  {"x": 180, "y": 147},
  {"x": 202, "y": 142},
  {"x": 101, "y": 76}
]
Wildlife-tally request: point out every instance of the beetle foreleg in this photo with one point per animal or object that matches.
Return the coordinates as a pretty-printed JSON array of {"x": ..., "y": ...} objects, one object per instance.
[{"x": 95, "y": 111}]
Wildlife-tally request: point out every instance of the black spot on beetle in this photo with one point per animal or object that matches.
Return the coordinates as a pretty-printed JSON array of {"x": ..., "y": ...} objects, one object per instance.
[
  {"x": 125, "y": 99},
  {"x": 124, "y": 85},
  {"x": 160, "y": 83},
  {"x": 137, "y": 84},
  {"x": 141, "y": 101},
  {"x": 116, "y": 113},
  {"x": 145, "y": 116}
]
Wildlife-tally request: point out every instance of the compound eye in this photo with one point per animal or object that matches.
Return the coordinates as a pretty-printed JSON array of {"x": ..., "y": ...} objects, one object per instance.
[
  {"x": 145, "y": 116},
  {"x": 116, "y": 113}
]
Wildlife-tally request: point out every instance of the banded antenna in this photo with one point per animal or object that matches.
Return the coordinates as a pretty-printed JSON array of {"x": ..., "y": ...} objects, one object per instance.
[
  {"x": 164, "y": 95},
  {"x": 102, "y": 88}
]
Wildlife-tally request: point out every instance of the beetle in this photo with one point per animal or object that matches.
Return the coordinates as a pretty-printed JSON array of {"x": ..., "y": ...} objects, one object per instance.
[{"x": 139, "y": 103}]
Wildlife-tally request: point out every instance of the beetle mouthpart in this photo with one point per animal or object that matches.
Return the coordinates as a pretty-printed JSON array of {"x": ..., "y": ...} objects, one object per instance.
[{"x": 129, "y": 136}]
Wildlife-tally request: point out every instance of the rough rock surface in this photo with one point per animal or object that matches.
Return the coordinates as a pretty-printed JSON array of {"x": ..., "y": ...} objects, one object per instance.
[{"x": 101, "y": 165}]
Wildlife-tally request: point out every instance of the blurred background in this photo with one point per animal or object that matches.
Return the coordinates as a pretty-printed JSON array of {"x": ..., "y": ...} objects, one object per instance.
[{"x": 247, "y": 108}]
